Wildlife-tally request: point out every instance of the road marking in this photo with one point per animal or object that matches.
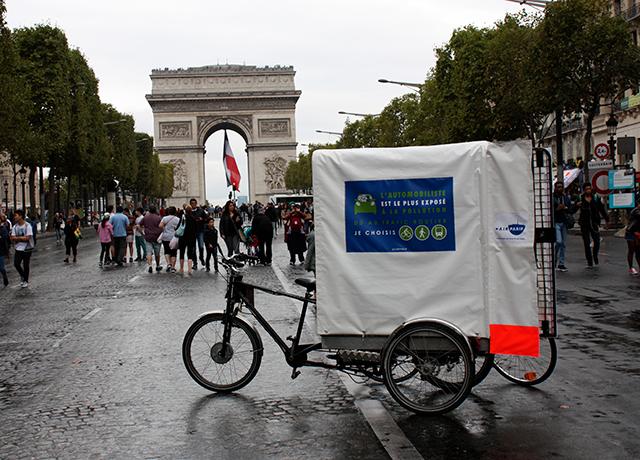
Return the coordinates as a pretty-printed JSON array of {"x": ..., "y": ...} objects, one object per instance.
[
  {"x": 91, "y": 313},
  {"x": 57, "y": 344},
  {"x": 390, "y": 435}
]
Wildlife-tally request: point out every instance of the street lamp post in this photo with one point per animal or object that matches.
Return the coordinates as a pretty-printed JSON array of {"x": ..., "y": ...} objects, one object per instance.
[
  {"x": 328, "y": 132},
  {"x": 612, "y": 128},
  {"x": 414, "y": 86},
  {"x": 6, "y": 195},
  {"x": 356, "y": 114},
  {"x": 23, "y": 174}
]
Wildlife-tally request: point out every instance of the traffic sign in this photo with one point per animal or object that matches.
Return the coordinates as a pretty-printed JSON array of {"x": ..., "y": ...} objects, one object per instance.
[
  {"x": 600, "y": 182},
  {"x": 601, "y": 151}
]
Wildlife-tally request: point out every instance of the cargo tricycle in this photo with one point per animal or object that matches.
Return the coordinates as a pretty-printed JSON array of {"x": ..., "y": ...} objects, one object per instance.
[{"x": 433, "y": 266}]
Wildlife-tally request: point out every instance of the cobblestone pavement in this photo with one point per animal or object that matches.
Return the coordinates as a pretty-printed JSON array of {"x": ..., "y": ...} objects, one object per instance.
[{"x": 91, "y": 366}]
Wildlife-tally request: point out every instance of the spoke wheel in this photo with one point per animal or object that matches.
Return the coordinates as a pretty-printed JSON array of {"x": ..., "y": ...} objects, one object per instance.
[
  {"x": 483, "y": 365},
  {"x": 527, "y": 370},
  {"x": 428, "y": 368},
  {"x": 217, "y": 367}
]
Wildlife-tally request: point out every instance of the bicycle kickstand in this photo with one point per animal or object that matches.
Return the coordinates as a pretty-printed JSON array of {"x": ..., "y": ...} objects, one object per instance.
[{"x": 295, "y": 373}]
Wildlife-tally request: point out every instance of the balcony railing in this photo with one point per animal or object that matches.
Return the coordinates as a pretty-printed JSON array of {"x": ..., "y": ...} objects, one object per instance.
[{"x": 630, "y": 13}]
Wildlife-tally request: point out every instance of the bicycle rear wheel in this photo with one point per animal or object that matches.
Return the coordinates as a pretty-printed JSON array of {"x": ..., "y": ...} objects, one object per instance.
[
  {"x": 527, "y": 370},
  {"x": 428, "y": 368},
  {"x": 213, "y": 368}
]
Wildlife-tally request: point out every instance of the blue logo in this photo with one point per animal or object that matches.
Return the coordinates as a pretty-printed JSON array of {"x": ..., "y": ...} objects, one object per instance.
[{"x": 516, "y": 229}]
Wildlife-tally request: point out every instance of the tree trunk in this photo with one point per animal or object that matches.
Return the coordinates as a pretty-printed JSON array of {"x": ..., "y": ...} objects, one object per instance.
[
  {"x": 52, "y": 197},
  {"x": 587, "y": 146},
  {"x": 32, "y": 192}
]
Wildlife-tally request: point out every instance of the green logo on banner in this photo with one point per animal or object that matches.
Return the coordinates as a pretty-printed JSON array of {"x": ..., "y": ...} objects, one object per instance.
[
  {"x": 439, "y": 232},
  {"x": 422, "y": 232},
  {"x": 406, "y": 233}
]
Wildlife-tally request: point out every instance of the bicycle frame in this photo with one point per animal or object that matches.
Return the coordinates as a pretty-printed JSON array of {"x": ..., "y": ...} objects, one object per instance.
[{"x": 241, "y": 294}]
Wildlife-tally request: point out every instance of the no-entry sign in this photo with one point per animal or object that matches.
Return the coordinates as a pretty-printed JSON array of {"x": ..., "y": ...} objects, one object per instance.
[{"x": 601, "y": 151}]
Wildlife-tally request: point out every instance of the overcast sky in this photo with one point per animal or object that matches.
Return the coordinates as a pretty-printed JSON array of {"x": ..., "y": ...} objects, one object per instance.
[{"x": 339, "y": 49}]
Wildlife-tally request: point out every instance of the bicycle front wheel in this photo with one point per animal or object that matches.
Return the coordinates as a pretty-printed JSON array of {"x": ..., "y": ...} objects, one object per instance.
[
  {"x": 428, "y": 368},
  {"x": 527, "y": 370},
  {"x": 217, "y": 367}
]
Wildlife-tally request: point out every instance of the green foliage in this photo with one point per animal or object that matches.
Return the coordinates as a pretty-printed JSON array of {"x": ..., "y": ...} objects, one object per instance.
[
  {"x": 299, "y": 174},
  {"x": 13, "y": 96},
  {"x": 124, "y": 164},
  {"x": 44, "y": 64}
]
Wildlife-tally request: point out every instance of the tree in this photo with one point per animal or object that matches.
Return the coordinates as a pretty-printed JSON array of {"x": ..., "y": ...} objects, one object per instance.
[
  {"x": 589, "y": 56},
  {"x": 299, "y": 174},
  {"x": 44, "y": 65},
  {"x": 13, "y": 96},
  {"x": 124, "y": 164}
]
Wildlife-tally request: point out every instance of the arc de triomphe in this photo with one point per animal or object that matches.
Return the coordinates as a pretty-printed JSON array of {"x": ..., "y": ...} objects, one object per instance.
[{"x": 256, "y": 102}]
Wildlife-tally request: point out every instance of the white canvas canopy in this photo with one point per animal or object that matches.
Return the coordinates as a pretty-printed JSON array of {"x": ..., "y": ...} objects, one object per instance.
[{"x": 440, "y": 232}]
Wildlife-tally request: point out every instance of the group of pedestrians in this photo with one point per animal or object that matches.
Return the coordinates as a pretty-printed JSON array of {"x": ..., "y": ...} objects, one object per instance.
[
  {"x": 591, "y": 213},
  {"x": 21, "y": 235}
]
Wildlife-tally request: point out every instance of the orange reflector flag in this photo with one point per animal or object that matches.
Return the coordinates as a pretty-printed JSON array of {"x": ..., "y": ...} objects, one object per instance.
[{"x": 506, "y": 339}]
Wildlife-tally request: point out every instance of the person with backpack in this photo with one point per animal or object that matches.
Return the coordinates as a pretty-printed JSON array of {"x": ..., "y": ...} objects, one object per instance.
[
  {"x": 211, "y": 244},
  {"x": 294, "y": 235}
]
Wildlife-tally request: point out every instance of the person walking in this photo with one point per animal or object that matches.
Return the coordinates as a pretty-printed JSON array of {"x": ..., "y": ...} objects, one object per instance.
[
  {"x": 119, "y": 222},
  {"x": 4, "y": 249},
  {"x": 169, "y": 224},
  {"x": 262, "y": 228},
  {"x": 295, "y": 236},
  {"x": 561, "y": 217},
  {"x": 71, "y": 236},
  {"x": 211, "y": 243},
  {"x": 105, "y": 235},
  {"x": 57, "y": 227},
  {"x": 230, "y": 225},
  {"x": 187, "y": 242},
  {"x": 22, "y": 238},
  {"x": 591, "y": 209},
  {"x": 200, "y": 216},
  {"x": 130, "y": 236},
  {"x": 632, "y": 236},
  {"x": 272, "y": 213},
  {"x": 138, "y": 235},
  {"x": 151, "y": 229}
]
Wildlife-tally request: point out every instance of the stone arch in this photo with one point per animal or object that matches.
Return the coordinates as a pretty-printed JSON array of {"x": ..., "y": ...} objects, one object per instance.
[
  {"x": 207, "y": 125},
  {"x": 256, "y": 102}
]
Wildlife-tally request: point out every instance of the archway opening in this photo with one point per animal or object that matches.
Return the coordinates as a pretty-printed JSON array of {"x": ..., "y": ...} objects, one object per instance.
[{"x": 217, "y": 192}]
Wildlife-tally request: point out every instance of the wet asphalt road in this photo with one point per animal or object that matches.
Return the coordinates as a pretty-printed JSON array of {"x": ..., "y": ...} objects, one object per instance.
[{"x": 91, "y": 367}]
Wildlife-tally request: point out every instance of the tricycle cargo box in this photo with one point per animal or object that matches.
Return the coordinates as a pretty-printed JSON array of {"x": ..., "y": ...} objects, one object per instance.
[{"x": 443, "y": 232}]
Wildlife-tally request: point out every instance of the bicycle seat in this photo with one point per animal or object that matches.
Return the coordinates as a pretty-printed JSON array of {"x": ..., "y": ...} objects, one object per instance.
[{"x": 308, "y": 283}]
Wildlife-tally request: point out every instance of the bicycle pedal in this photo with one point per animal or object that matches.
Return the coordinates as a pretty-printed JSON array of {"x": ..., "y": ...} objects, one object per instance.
[
  {"x": 290, "y": 339},
  {"x": 294, "y": 374}
]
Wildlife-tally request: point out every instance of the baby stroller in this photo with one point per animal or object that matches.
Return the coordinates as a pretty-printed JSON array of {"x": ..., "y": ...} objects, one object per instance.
[{"x": 251, "y": 243}]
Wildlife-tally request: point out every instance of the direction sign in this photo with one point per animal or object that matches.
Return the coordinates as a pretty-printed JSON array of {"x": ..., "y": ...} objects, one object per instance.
[{"x": 601, "y": 151}]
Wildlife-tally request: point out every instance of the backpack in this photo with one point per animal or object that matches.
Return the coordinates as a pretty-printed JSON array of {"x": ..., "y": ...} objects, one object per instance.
[{"x": 295, "y": 224}]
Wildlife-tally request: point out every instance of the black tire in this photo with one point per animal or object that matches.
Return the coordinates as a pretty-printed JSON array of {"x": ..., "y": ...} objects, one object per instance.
[
  {"x": 526, "y": 370},
  {"x": 202, "y": 353},
  {"x": 428, "y": 368},
  {"x": 486, "y": 363}
]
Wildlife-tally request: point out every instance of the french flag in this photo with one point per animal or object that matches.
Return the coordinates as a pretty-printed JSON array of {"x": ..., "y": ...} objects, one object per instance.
[{"x": 230, "y": 165}]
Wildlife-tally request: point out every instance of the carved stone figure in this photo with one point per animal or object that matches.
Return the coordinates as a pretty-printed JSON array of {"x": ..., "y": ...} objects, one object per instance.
[
  {"x": 274, "y": 170},
  {"x": 179, "y": 130},
  {"x": 274, "y": 128},
  {"x": 180, "y": 176}
]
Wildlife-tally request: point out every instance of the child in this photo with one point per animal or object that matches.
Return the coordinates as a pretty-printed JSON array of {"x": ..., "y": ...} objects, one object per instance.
[
  {"x": 211, "y": 243},
  {"x": 105, "y": 235}
]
